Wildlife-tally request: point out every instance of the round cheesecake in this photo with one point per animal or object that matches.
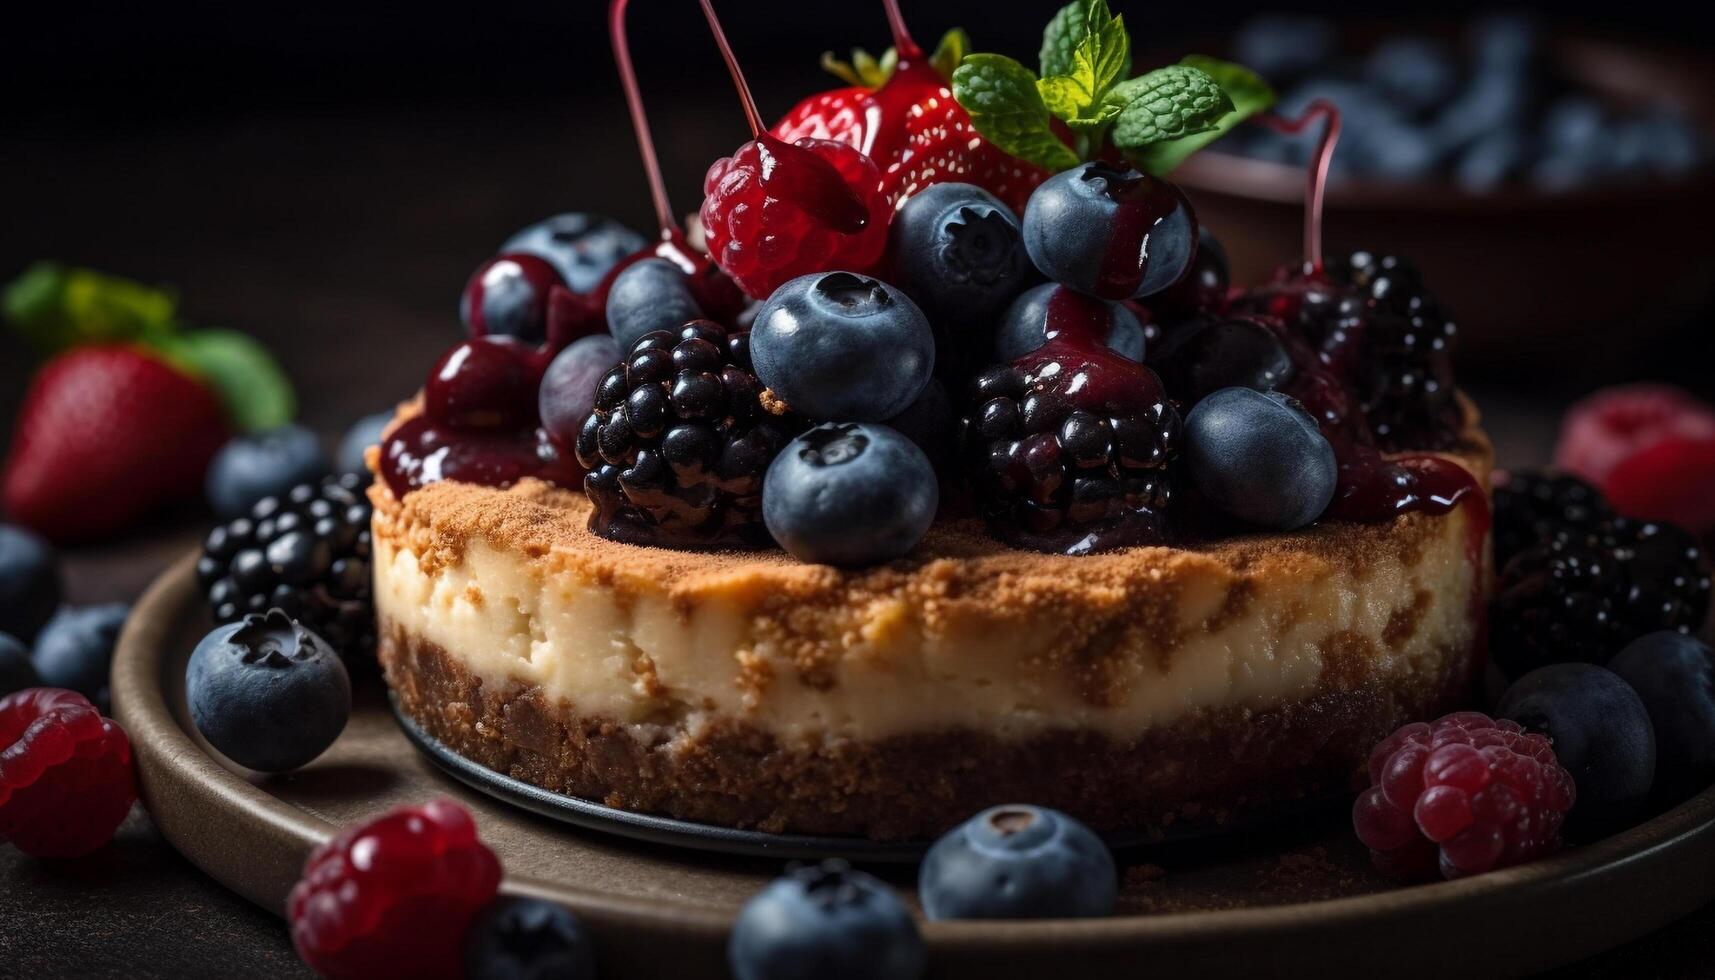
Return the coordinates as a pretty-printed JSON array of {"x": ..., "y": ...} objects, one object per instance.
[{"x": 1135, "y": 689}]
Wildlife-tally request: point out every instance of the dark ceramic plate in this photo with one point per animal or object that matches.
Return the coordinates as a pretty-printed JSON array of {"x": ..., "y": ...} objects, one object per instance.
[{"x": 1294, "y": 899}]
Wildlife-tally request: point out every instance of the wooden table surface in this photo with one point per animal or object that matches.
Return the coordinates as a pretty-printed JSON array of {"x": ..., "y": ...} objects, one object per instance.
[{"x": 342, "y": 241}]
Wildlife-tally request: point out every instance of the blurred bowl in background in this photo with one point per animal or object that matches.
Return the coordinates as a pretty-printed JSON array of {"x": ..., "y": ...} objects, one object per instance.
[{"x": 1534, "y": 277}]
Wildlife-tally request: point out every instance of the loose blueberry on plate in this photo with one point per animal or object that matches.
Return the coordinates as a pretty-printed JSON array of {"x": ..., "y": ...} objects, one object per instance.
[
  {"x": 29, "y": 582},
  {"x": 1202, "y": 358},
  {"x": 267, "y": 692},
  {"x": 568, "y": 386},
  {"x": 649, "y": 295},
  {"x": 517, "y": 938},
  {"x": 75, "y": 649},
  {"x": 1042, "y": 312},
  {"x": 365, "y": 432},
  {"x": 507, "y": 296},
  {"x": 1018, "y": 862},
  {"x": 956, "y": 251},
  {"x": 1260, "y": 457},
  {"x": 582, "y": 247},
  {"x": 1674, "y": 676},
  {"x": 849, "y": 494},
  {"x": 263, "y": 464},
  {"x": 1601, "y": 732},
  {"x": 16, "y": 670},
  {"x": 825, "y": 922},
  {"x": 842, "y": 346},
  {"x": 1117, "y": 234}
]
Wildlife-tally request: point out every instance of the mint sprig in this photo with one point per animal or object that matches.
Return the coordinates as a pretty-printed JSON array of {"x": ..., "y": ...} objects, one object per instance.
[{"x": 1156, "y": 119}]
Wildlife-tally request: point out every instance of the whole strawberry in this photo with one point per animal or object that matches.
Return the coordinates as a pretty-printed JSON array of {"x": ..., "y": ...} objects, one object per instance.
[{"x": 106, "y": 434}]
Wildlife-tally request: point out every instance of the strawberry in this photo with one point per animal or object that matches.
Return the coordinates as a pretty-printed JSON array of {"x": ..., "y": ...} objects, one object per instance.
[
  {"x": 901, "y": 112},
  {"x": 1649, "y": 448},
  {"x": 106, "y": 434}
]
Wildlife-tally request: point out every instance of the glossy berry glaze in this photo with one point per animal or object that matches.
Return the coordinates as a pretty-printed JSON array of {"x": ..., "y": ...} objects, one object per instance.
[{"x": 1140, "y": 204}]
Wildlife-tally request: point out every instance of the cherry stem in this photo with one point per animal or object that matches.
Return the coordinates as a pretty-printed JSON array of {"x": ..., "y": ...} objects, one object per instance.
[
  {"x": 639, "y": 121},
  {"x": 1316, "y": 189},
  {"x": 903, "y": 45},
  {"x": 744, "y": 96}
]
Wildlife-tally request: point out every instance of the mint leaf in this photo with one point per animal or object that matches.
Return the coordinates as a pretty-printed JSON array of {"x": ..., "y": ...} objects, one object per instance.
[
  {"x": 250, "y": 384},
  {"x": 1067, "y": 30},
  {"x": 1095, "y": 60},
  {"x": 1249, "y": 93},
  {"x": 1005, "y": 107},
  {"x": 1166, "y": 104},
  {"x": 54, "y": 307}
]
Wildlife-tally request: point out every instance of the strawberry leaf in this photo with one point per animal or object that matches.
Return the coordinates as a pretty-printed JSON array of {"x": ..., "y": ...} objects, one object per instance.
[
  {"x": 955, "y": 44},
  {"x": 1007, "y": 109},
  {"x": 54, "y": 307},
  {"x": 1166, "y": 104},
  {"x": 249, "y": 382},
  {"x": 1249, "y": 95}
]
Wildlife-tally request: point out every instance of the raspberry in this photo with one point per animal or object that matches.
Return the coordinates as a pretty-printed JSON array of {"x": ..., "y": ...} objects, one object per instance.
[
  {"x": 65, "y": 773},
  {"x": 1464, "y": 794},
  {"x": 394, "y": 896},
  {"x": 1651, "y": 448},
  {"x": 774, "y": 211}
]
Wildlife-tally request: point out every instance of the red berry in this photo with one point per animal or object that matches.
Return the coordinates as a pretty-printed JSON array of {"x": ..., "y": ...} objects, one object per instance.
[
  {"x": 393, "y": 897},
  {"x": 774, "y": 211},
  {"x": 1650, "y": 449},
  {"x": 486, "y": 383},
  {"x": 65, "y": 773},
  {"x": 1465, "y": 794}
]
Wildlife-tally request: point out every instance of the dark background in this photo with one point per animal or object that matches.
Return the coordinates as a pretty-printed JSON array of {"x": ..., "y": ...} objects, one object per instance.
[{"x": 326, "y": 176}]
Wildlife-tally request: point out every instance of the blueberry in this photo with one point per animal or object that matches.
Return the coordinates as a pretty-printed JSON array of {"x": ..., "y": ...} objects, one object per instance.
[
  {"x": 1492, "y": 161},
  {"x": 263, "y": 464},
  {"x": 841, "y": 346},
  {"x": 825, "y": 922},
  {"x": 1400, "y": 152},
  {"x": 1493, "y": 100},
  {"x": 16, "y": 671},
  {"x": 507, "y": 296},
  {"x": 29, "y": 582},
  {"x": 567, "y": 393},
  {"x": 1418, "y": 73},
  {"x": 1112, "y": 233},
  {"x": 1201, "y": 358},
  {"x": 1674, "y": 676},
  {"x": 267, "y": 692},
  {"x": 849, "y": 494},
  {"x": 649, "y": 295},
  {"x": 1260, "y": 457},
  {"x": 365, "y": 432},
  {"x": 1280, "y": 47},
  {"x": 517, "y": 938},
  {"x": 1018, "y": 862},
  {"x": 930, "y": 423},
  {"x": 957, "y": 253},
  {"x": 1507, "y": 40},
  {"x": 1024, "y": 326},
  {"x": 583, "y": 248},
  {"x": 75, "y": 649},
  {"x": 1575, "y": 124},
  {"x": 1601, "y": 733},
  {"x": 1203, "y": 288}
]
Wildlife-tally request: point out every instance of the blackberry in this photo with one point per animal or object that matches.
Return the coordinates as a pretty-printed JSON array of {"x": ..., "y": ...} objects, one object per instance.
[
  {"x": 1581, "y": 595},
  {"x": 1403, "y": 371},
  {"x": 305, "y": 553},
  {"x": 1070, "y": 452},
  {"x": 679, "y": 440},
  {"x": 1531, "y": 506}
]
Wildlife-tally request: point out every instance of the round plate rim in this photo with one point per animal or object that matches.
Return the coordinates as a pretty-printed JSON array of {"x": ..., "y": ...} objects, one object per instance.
[{"x": 170, "y": 762}]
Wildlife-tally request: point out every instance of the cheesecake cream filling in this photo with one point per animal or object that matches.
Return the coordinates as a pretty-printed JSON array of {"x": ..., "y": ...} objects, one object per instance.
[{"x": 679, "y": 658}]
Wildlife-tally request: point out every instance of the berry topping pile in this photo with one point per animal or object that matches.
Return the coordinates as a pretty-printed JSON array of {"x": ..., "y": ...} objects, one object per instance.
[
  {"x": 305, "y": 553},
  {"x": 65, "y": 773},
  {"x": 1460, "y": 796},
  {"x": 394, "y": 896}
]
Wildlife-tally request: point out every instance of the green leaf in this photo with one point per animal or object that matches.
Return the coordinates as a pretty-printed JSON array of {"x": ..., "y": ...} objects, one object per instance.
[
  {"x": 1005, "y": 107},
  {"x": 1100, "y": 56},
  {"x": 1166, "y": 104},
  {"x": 955, "y": 44},
  {"x": 256, "y": 393},
  {"x": 54, "y": 307},
  {"x": 1067, "y": 30},
  {"x": 1249, "y": 93}
]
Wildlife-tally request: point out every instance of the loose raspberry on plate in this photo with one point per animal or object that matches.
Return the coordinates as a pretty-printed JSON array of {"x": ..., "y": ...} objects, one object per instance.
[
  {"x": 394, "y": 896},
  {"x": 1465, "y": 794},
  {"x": 65, "y": 773}
]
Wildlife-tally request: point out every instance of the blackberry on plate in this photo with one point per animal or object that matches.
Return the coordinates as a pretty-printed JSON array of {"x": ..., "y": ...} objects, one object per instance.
[
  {"x": 1069, "y": 450},
  {"x": 1581, "y": 596},
  {"x": 1533, "y": 505},
  {"x": 305, "y": 553},
  {"x": 678, "y": 443}
]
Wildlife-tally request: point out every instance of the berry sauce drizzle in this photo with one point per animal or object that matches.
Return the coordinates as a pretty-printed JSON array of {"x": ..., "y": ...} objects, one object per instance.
[
  {"x": 1140, "y": 204},
  {"x": 422, "y": 451}
]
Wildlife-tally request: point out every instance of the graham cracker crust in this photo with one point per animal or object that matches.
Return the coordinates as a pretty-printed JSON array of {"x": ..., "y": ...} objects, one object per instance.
[{"x": 1205, "y": 769}]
